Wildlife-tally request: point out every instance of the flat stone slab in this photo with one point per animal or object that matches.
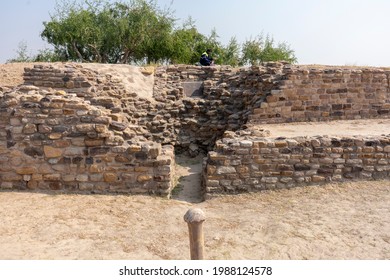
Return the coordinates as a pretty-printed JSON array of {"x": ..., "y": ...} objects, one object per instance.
[{"x": 193, "y": 89}]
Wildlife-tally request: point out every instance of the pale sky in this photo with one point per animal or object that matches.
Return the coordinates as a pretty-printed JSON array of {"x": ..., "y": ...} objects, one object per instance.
[{"x": 332, "y": 32}]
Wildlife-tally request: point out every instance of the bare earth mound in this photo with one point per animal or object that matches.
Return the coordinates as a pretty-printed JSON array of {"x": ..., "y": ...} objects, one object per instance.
[
  {"x": 130, "y": 76},
  {"x": 11, "y": 74},
  {"x": 346, "y": 221}
]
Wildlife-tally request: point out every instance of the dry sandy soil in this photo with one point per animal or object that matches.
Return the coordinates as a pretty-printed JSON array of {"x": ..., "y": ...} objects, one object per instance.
[
  {"x": 333, "y": 221},
  {"x": 373, "y": 127},
  {"x": 343, "y": 221},
  {"x": 11, "y": 74}
]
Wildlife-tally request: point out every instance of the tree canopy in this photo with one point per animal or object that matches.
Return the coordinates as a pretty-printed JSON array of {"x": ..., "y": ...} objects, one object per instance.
[{"x": 139, "y": 32}]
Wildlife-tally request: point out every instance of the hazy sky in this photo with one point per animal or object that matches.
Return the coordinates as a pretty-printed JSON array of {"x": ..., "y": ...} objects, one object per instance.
[{"x": 336, "y": 32}]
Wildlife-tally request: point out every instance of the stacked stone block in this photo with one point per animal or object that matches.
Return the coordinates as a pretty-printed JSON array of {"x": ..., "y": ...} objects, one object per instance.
[
  {"x": 229, "y": 96},
  {"x": 249, "y": 164},
  {"x": 58, "y": 75},
  {"x": 323, "y": 94},
  {"x": 58, "y": 141}
]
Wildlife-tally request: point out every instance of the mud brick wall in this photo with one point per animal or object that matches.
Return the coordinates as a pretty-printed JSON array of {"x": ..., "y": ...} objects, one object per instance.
[
  {"x": 250, "y": 164},
  {"x": 322, "y": 94}
]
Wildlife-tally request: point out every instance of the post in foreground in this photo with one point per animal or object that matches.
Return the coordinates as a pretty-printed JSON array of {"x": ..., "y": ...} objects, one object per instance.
[{"x": 195, "y": 218}]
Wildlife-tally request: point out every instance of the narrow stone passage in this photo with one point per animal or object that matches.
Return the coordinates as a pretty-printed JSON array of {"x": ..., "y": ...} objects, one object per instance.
[{"x": 188, "y": 179}]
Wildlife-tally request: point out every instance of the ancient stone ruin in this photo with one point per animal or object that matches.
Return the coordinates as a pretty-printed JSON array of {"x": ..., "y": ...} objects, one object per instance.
[{"x": 116, "y": 128}]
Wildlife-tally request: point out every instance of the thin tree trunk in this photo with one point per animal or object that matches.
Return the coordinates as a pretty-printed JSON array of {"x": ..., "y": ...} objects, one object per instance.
[
  {"x": 125, "y": 57},
  {"x": 97, "y": 54},
  {"x": 77, "y": 52}
]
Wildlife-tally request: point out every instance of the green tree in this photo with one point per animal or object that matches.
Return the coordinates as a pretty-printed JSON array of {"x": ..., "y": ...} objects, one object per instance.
[
  {"x": 138, "y": 31},
  {"x": 110, "y": 32},
  {"x": 231, "y": 53},
  {"x": 75, "y": 36},
  {"x": 274, "y": 53},
  {"x": 187, "y": 43},
  {"x": 258, "y": 50},
  {"x": 159, "y": 24},
  {"x": 251, "y": 51}
]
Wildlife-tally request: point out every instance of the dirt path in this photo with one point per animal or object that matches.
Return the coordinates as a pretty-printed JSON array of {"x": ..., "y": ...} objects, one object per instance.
[{"x": 188, "y": 176}]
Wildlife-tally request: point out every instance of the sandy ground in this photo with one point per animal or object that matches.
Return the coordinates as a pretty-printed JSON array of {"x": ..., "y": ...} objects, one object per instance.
[
  {"x": 372, "y": 127},
  {"x": 11, "y": 74},
  {"x": 335, "y": 221}
]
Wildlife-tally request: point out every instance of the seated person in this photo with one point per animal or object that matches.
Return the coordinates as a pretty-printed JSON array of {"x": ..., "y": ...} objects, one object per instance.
[{"x": 206, "y": 59}]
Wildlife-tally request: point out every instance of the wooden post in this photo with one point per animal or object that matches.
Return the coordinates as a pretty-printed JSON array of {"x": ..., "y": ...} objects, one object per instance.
[{"x": 195, "y": 218}]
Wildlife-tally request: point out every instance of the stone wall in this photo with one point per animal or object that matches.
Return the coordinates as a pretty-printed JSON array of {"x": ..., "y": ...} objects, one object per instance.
[
  {"x": 249, "y": 164},
  {"x": 53, "y": 140},
  {"x": 323, "y": 94},
  {"x": 227, "y": 98},
  {"x": 78, "y": 127},
  {"x": 114, "y": 128}
]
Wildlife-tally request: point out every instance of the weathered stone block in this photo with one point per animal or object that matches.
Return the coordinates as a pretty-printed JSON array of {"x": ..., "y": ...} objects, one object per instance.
[
  {"x": 98, "y": 151},
  {"x": 34, "y": 151},
  {"x": 52, "y": 177},
  {"x": 118, "y": 126},
  {"x": 85, "y": 127},
  {"x": 213, "y": 183},
  {"x": 93, "y": 142},
  {"x": 30, "y": 128},
  {"x": 269, "y": 180},
  {"x": 82, "y": 178},
  {"x": 61, "y": 143},
  {"x": 96, "y": 177},
  {"x": 68, "y": 177},
  {"x": 242, "y": 169},
  {"x": 134, "y": 148},
  {"x": 225, "y": 170},
  {"x": 101, "y": 128},
  {"x": 316, "y": 178},
  {"x": 110, "y": 177},
  {"x": 246, "y": 143},
  {"x": 51, "y": 152},
  {"x": 141, "y": 169},
  {"x": 144, "y": 178},
  {"x": 86, "y": 186},
  {"x": 55, "y": 136},
  {"x": 6, "y": 185},
  {"x": 26, "y": 170}
]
